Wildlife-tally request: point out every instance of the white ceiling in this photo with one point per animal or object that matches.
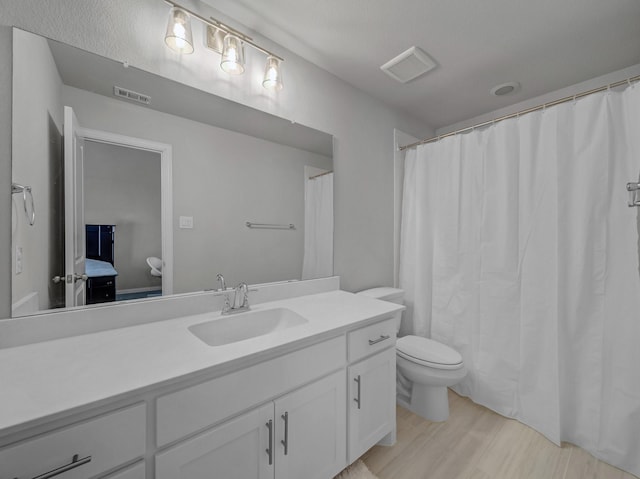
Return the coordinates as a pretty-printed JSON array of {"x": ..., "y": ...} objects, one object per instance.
[{"x": 543, "y": 44}]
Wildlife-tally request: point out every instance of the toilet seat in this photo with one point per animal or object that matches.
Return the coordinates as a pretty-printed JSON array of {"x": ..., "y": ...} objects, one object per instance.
[{"x": 428, "y": 352}]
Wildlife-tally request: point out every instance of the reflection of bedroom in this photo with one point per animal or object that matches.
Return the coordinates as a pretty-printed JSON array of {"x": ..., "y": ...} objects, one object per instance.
[{"x": 123, "y": 221}]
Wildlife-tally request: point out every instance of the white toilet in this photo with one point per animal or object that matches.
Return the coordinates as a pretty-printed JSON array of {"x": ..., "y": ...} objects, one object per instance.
[{"x": 425, "y": 368}]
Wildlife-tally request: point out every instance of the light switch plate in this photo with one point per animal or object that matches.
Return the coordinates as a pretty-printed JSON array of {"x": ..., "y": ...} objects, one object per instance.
[{"x": 186, "y": 222}]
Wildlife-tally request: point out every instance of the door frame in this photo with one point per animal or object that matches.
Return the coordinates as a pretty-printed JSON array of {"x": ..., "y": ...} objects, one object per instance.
[{"x": 166, "y": 190}]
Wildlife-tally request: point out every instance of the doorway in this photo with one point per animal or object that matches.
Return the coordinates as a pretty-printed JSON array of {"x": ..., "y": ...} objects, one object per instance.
[{"x": 128, "y": 193}]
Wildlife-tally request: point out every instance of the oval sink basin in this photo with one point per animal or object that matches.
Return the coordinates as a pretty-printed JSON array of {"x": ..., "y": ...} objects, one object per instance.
[{"x": 238, "y": 327}]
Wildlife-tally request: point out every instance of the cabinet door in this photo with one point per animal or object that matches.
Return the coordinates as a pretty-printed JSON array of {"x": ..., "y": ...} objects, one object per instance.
[
  {"x": 311, "y": 430},
  {"x": 237, "y": 449},
  {"x": 372, "y": 387}
]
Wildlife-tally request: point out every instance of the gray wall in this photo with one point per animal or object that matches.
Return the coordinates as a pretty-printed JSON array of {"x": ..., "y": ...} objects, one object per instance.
[
  {"x": 122, "y": 188},
  {"x": 222, "y": 179},
  {"x": 39, "y": 96},
  {"x": 362, "y": 126}
]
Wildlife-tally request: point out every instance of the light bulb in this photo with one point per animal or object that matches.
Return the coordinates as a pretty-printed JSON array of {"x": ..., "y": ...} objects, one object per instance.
[
  {"x": 272, "y": 74},
  {"x": 178, "y": 36},
  {"x": 232, "y": 55}
]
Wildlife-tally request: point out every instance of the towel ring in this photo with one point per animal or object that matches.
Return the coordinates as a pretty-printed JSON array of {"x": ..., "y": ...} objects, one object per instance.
[{"x": 17, "y": 188}]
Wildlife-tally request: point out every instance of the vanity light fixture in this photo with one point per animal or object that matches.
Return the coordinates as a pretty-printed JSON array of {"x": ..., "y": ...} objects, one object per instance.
[
  {"x": 178, "y": 36},
  {"x": 222, "y": 39},
  {"x": 232, "y": 55},
  {"x": 272, "y": 77}
]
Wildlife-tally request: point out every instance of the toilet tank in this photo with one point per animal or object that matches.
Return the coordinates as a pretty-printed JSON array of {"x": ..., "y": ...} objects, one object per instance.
[{"x": 385, "y": 293}]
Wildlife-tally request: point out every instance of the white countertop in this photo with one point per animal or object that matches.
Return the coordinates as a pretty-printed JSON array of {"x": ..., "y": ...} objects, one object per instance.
[{"x": 43, "y": 380}]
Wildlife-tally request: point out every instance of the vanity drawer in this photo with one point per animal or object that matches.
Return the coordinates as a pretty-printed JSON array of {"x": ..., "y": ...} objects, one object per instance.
[
  {"x": 371, "y": 339},
  {"x": 137, "y": 471},
  {"x": 109, "y": 441},
  {"x": 195, "y": 408}
]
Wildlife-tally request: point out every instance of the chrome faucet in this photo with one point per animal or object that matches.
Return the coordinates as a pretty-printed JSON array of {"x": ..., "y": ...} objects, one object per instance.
[
  {"x": 240, "y": 300},
  {"x": 223, "y": 286}
]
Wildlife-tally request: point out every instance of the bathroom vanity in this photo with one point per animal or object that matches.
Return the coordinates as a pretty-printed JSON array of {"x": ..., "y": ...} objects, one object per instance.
[{"x": 156, "y": 400}]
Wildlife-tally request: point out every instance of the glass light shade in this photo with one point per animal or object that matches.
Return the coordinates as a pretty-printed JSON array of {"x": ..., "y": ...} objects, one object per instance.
[
  {"x": 232, "y": 55},
  {"x": 179, "y": 37},
  {"x": 272, "y": 74}
]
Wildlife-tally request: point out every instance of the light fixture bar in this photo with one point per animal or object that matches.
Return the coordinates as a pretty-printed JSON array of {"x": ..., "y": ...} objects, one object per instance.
[{"x": 215, "y": 23}]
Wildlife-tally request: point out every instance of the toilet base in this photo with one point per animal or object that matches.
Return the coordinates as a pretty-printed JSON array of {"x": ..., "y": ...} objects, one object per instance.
[{"x": 429, "y": 402}]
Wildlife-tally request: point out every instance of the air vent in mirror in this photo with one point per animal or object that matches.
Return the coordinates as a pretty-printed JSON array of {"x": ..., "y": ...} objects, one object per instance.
[{"x": 131, "y": 95}]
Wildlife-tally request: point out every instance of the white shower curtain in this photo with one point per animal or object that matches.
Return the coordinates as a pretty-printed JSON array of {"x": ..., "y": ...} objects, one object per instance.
[
  {"x": 318, "y": 227},
  {"x": 518, "y": 250}
]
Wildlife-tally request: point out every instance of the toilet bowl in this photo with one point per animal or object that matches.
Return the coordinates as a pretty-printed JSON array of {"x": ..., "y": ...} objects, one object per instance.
[{"x": 425, "y": 368}]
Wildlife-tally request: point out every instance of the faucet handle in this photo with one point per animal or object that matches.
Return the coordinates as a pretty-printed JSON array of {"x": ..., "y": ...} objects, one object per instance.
[
  {"x": 244, "y": 289},
  {"x": 223, "y": 286}
]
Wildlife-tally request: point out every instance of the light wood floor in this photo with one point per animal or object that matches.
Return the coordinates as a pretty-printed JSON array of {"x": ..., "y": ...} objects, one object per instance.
[{"x": 476, "y": 443}]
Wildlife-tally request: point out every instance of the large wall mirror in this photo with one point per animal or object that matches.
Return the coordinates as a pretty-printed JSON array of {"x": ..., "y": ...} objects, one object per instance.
[{"x": 128, "y": 185}]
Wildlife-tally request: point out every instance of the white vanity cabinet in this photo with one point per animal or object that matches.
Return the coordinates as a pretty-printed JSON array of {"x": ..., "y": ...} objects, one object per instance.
[
  {"x": 371, "y": 386},
  {"x": 301, "y": 405},
  {"x": 301, "y": 434}
]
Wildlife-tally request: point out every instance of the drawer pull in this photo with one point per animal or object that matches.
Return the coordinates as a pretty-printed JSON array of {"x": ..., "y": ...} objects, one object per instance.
[
  {"x": 379, "y": 340},
  {"x": 269, "y": 450},
  {"x": 75, "y": 462},
  {"x": 285, "y": 441},
  {"x": 358, "y": 381}
]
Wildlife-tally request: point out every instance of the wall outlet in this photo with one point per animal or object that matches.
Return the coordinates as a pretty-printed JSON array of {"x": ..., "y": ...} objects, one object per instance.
[
  {"x": 186, "y": 222},
  {"x": 19, "y": 256}
]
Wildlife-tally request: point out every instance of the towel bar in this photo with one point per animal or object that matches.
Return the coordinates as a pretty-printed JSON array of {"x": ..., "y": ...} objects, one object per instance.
[{"x": 290, "y": 226}]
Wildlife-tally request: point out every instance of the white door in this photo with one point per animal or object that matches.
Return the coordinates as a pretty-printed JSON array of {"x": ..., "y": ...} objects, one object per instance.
[
  {"x": 74, "y": 234},
  {"x": 372, "y": 387},
  {"x": 311, "y": 430},
  {"x": 237, "y": 449}
]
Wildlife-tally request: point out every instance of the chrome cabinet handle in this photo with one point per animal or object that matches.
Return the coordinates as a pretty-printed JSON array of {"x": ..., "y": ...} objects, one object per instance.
[
  {"x": 75, "y": 462},
  {"x": 380, "y": 339},
  {"x": 357, "y": 400},
  {"x": 285, "y": 441},
  {"x": 269, "y": 450}
]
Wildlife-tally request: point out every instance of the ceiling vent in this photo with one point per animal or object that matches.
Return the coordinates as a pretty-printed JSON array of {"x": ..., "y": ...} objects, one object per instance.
[
  {"x": 409, "y": 65},
  {"x": 131, "y": 95},
  {"x": 505, "y": 88}
]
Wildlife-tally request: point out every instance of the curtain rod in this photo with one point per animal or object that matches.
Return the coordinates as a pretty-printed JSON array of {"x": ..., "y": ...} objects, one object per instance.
[
  {"x": 522, "y": 112},
  {"x": 320, "y": 174}
]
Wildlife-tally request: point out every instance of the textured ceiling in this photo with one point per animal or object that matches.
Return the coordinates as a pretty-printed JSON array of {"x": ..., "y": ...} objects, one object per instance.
[{"x": 543, "y": 44}]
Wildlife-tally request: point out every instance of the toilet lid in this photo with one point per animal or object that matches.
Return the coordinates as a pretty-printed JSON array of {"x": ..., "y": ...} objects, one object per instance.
[{"x": 428, "y": 352}]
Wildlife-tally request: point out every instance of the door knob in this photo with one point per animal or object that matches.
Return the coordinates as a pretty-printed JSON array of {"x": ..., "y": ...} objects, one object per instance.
[
  {"x": 79, "y": 277},
  {"x": 57, "y": 279}
]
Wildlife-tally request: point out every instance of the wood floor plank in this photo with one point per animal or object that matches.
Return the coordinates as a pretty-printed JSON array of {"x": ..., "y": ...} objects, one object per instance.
[
  {"x": 476, "y": 443},
  {"x": 583, "y": 465}
]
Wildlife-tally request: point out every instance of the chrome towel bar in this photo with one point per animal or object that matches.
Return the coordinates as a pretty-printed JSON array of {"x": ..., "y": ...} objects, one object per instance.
[{"x": 290, "y": 226}]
